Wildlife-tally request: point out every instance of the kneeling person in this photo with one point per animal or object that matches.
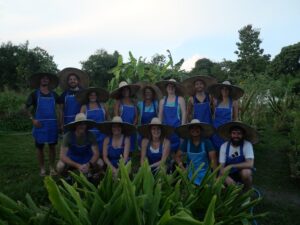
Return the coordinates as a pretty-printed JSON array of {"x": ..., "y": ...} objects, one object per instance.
[
  {"x": 237, "y": 154},
  {"x": 79, "y": 149}
]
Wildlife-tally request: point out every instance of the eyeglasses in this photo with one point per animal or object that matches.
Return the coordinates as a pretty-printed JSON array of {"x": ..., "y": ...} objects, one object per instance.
[{"x": 235, "y": 154}]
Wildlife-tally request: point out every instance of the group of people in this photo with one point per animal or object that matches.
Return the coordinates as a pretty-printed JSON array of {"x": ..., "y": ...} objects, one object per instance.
[{"x": 205, "y": 129}]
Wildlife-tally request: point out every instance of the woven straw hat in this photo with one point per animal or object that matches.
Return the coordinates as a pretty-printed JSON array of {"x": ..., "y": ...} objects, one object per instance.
[
  {"x": 235, "y": 91},
  {"x": 106, "y": 127},
  {"x": 184, "y": 130},
  {"x": 116, "y": 94},
  {"x": 189, "y": 83},
  {"x": 83, "y": 95},
  {"x": 145, "y": 130},
  {"x": 250, "y": 133},
  {"x": 180, "y": 90},
  {"x": 35, "y": 80},
  {"x": 79, "y": 119},
  {"x": 64, "y": 76}
]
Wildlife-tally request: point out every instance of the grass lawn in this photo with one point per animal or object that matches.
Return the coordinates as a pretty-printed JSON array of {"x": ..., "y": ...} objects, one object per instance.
[{"x": 19, "y": 174}]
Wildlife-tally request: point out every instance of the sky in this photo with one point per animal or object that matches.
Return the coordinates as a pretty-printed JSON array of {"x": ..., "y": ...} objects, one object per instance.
[{"x": 72, "y": 30}]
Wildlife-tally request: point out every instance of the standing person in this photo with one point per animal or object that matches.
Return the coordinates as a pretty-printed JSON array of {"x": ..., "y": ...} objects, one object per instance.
[
  {"x": 225, "y": 106},
  {"x": 199, "y": 103},
  {"x": 125, "y": 106},
  {"x": 198, "y": 148},
  {"x": 79, "y": 149},
  {"x": 117, "y": 142},
  {"x": 237, "y": 154},
  {"x": 44, "y": 121},
  {"x": 71, "y": 80},
  {"x": 93, "y": 106},
  {"x": 172, "y": 109},
  {"x": 155, "y": 145},
  {"x": 148, "y": 106}
]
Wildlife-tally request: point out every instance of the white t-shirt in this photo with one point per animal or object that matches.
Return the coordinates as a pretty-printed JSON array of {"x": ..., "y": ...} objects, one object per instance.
[{"x": 247, "y": 150}]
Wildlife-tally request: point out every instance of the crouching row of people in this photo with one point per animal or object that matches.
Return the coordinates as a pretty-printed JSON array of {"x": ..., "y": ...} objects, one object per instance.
[{"x": 79, "y": 149}]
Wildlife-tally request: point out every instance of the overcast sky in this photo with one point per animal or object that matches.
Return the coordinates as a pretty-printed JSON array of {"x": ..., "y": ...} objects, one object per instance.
[{"x": 72, "y": 30}]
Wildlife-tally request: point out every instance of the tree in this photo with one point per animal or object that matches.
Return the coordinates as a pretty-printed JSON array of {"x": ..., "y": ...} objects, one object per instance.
[
  {"x": 202, "y": 66},
  {"x": 98, "y": 65},
  {"x": 250, "y": 56}
]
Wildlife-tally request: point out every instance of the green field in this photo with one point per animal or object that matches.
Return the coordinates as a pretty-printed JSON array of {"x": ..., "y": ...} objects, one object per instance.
[{"x": 19, "y": 175}]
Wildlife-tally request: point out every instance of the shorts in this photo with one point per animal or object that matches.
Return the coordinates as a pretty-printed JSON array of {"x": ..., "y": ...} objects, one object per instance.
[{"x": 41, "y": 145}]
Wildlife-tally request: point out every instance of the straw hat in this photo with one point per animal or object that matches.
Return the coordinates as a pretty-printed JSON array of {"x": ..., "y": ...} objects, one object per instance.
[
  {"x": 235, "y": 91},
  {"x": 35, "y": 80},
  {"x": 106, "y": 127},
  {"x": 145, "y": 130},
  {"x": 117, "y": 92},
  {"x": 184, "y": 132},
  {"x": 65, "y": 73},
  {"x": 83, "y": 95},
  {"x": 250, "y": 133},
  {"x": 143, "y": 85},
  {"x": 180, "y": 90},
  {"x": 189, "y": 83},
  {"x": 79, "y": 119}
]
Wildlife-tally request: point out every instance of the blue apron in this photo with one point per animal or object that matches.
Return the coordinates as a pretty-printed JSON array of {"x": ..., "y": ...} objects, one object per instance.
[
  {"x": 152, "y": 156},
  {"x": 222, "y": 116},
  {"x": 71, "y": 108},
  {"x": 46, "y": 115},
  {"x": 234, "y": 160},
  {"x": 202, "y": 110},
  {"x": 195, "y": 159},
  {"x": 146, "y": 118},
  {"x": 98, "y": 115},
  {"x": 114, "y": 154},
  {"x": 170, "y": 117},
  {"x": 79, "y": 153},
  {"x": 128, "y": 115}
]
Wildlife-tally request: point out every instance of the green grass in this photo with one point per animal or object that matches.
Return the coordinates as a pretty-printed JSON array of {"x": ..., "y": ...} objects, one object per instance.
[{"x": 19, "y": 174}]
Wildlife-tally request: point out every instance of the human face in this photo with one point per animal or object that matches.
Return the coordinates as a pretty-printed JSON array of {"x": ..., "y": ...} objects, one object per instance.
[
  {"x": 148, "y": 94},
  {"x": 125, "y": 92},
  {"x": 237, "y": 137},
  {"x": 224, "y": 91},
  {"x": 73, "y": 81},
  {"x": 155, "y": 131},
  {"x": 199, "y": 86},
  {"x": 81, "y": 129},
  {"x": 116, "y": 129},
  {"x": 195, "y": 131},
  {"x": 93, "y": 97},
  {"x": 45, "y": 81},
  {"x": 171, "y": 89}
]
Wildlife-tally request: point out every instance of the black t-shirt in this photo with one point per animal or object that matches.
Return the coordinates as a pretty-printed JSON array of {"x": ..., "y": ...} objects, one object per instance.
[{"x": 32, "y": 98}]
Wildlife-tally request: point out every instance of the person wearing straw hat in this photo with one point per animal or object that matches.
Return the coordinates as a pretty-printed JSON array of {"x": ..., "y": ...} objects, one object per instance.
[
  {"x": 117, "y": 142},
  {"x": 148, "y": 106},
  {"x": 225, "y": 107},
  {"x": 199, "y": 103},
  {"x": 155, "y": 145},
  {"x": 172, "y": 109},
  {"x": 93, "y": 106},
  {"x": 236, "y": 154},
  {"x": 79, "y": 148},
  {"x": 44, "y": 121},
  {"x": 71, "y": 81},
  {"x": 125, "y": 106},
  {"x": 198, "y": 148}
]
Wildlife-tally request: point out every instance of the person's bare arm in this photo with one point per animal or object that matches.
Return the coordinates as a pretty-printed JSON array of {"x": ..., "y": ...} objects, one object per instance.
[
  {"x": 189, "y": 110},
  {"x": 95, "y": 157},
  {"x": 183, "y": 110},
  {"x": 135, "y": 122},
  {"x": 178, "y": 159},
  {"x": 213, "y": 159},
  {"x": 161, "y": 109},
  {"x": 66, "y": 159},
  {"x": 83, "y": 109},
  {"x": 117, "y": 108},
  {"x": 235, "y": 108},
  {"x": 61, "y": 116},
  {"x": 126, "y": 149},
  {"x": 248, "y": 164},
  {"x": 107, "y": 115}
]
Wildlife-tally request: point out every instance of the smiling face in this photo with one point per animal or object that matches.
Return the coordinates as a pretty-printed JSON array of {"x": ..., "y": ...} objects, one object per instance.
[
  {"x": 195, "y": 131},
  {"x": 73, "y": 81},
  {"x": 155, "y": 131},
  {"x": 199, "y": 86},
  {"x": 116, "y": 129},
  {"x": 81, "y": 129},
  {"x": 125, "y": 92},
  {"x": 237, "y": 136},
  {"x": 92, "y": 97},
  {"x": 44, "y": 81},
  {"x": 170, "y": 89},
  {"x": 148, "y": 94},
  {"x": 225, "y": 92}
]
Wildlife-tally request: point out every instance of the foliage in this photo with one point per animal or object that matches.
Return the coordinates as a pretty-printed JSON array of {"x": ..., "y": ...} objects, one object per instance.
[
  {"x": 98, "y": 65},
  {"x": 18, "y": 63}
]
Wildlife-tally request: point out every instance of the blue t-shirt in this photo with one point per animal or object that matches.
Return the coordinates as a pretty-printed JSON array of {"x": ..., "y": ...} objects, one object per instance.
[
  {"x": 149, "y": 108},
  {"x": 207, "y": 143}
]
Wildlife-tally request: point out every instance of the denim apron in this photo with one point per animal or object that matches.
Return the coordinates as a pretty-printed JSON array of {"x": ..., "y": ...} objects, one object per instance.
[
  {"x": 46, "y": 115},
  {"x": 170, "y": 117},
  {"x": 128, "y": 115},
  {"x": 152, "y": 156},
  {"x": 222, "y": 116},
  {"x": 114, "y": 154},
  {"x": 234, "y": 160},
  {"x": 98, "y": 115},
  {"x": 71, "y": 108},
  {"x": 195, "y": 159},
  {"x": 79, "y": 153},
  {"x": 202, "y": 110}
]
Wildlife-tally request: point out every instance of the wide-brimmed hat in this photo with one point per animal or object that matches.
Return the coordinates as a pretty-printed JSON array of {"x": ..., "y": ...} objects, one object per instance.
[
  {"x": 79, "y": 119},
  {"x": 189, "y": 83},
  {"x": 83, "y": 95},
  {"x": 64, "y": 76},
  {"x": 250, "y": 133},
  {"x": 106, "y": 127},
  {"x": 117, "y": 92},
  {"x": 180, "y": 90},
  {"x": 235, "y": 91},
  {"x": 184, "y": 130},
  {"x": 145, "y": 130},
  {"x": 156, "y": 91},
  {"x": 35, "y": 80}
]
